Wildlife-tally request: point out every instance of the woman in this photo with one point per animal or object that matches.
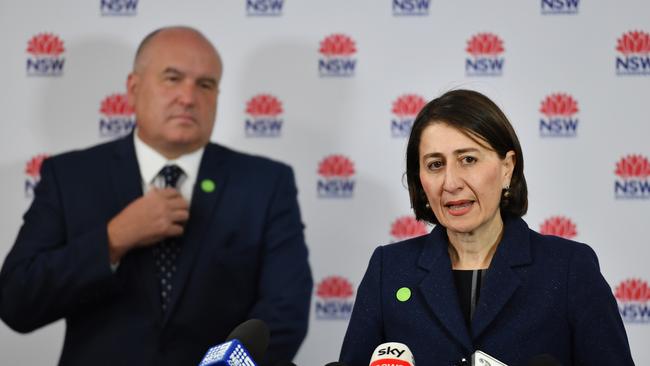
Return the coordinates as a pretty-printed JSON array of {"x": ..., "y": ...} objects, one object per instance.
[{"x": 481, "y": 280}]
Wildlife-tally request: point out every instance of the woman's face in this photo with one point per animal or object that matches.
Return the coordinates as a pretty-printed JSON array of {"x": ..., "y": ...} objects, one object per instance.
[{"x": 462, "y": 179}]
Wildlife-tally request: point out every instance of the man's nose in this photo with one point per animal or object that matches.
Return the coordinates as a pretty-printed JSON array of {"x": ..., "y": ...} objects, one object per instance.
[{"x": 187, "y": 94}]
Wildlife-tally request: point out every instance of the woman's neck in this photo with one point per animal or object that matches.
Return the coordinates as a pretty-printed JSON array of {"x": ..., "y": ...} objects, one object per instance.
[{"x": 474, "y": 250}]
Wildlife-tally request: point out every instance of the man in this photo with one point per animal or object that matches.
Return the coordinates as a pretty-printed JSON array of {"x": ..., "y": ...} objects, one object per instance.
[{"x": 150, "y": 279}]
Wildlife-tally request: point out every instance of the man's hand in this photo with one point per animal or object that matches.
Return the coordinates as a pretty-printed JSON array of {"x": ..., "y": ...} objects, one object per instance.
[{"x": 159, "y": 214}]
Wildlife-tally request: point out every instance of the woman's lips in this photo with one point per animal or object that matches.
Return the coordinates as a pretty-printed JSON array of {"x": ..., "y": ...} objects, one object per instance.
[{"x": 459, "y": 208}]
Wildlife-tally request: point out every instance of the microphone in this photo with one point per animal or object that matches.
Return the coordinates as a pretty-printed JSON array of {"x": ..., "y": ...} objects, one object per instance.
[
  {"x": 543, "y": 360},
  {"x": 480, "y": 358},
  {"x": 392, "y": 354},
  {"x": 285, "y": 363},
  {"x": 246, "y": 343},
  {"x": 337, "y": 364}
]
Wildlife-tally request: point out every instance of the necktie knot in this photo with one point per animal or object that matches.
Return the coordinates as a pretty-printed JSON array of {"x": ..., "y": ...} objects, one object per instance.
[{"x": 171, "y": 174}]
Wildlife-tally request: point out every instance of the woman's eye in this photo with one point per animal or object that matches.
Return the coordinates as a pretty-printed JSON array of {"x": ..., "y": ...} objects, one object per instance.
[
  {"x": 435, "y": 165},
  {"x": 469, "y": 160}
]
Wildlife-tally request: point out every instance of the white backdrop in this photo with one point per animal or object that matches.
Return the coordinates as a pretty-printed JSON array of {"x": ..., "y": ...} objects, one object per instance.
[{"x": 335, "y": 116}]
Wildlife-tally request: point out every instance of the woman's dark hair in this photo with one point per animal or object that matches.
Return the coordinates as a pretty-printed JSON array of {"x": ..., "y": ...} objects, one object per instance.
[{"x": 477, "y": 116}]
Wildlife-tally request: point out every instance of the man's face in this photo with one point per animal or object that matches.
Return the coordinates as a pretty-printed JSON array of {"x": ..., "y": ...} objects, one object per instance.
[{"x": 174, "y": 90}]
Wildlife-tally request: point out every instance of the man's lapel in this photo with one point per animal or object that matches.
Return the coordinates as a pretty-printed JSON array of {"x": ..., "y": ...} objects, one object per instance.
[{"x": 210, "y": 184}]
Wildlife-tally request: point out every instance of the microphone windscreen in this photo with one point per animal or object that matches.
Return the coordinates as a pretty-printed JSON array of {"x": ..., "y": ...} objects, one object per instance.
[
  {"x": 543, "y": 360},
  {"x": 254, "y": 334},
  {"x": 336, "y": 364}
]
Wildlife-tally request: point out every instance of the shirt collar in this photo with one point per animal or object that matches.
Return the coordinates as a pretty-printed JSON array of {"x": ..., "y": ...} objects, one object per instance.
[{"x": 151, "y": 161}]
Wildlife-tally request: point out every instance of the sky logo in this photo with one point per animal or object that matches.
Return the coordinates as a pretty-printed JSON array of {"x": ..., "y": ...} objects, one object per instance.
[
  {"x": 554, "y": 7},
  {"x": 264, "y": 8},
  {"x": 559, "y": 109},
  {"x": 407, "y": 227},
  {"x": 485, "y": 50},
  {"x": 336, "y": 181},
  {"x": 405, "y": 109},
  {"x": 559, "y": 226},
  {"x": 633, "y": 296},
  {"x": 334, "y": 299},
  {"x": 633, "y": 183},
  {"x": 634, "y": 48},
  {"x": 118, "y": 7},
  {"x": 336, "y": 60},
  {"x": 263, "y": 121},
  {"x": 411, "y": 7},
  {"x": 118, "y": 117},
  {"x": 33, "y": 172},
  {"x": 45, "y": 50}
]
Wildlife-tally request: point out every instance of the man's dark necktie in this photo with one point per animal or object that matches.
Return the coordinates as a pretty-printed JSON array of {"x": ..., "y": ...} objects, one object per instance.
[{"x": 167, "y": 252}]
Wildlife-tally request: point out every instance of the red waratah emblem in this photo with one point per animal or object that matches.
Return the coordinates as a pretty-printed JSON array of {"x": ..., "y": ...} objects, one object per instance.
[
  {"x": 116, "y": 105},
  {"x": 483, "y": 44},
  {"x": 33, "y": 166},
  {"x": 633, "y": 290},
  {"x": 559, "y": 226},
  {"x": 559, "y": 104},
  {"x": 337, "y": 45},
  {"x": 264, "y": 105},
  {"x": 334, "y": 287},
  {"x": 408, "y": 105},
  {"x": 336, "y": 166},
  {"x": 45, "y": 44},
  {"x": 634, "y": 42},
  {"x": 407, "y": 227},
  {"x": 633, "y": 166}
]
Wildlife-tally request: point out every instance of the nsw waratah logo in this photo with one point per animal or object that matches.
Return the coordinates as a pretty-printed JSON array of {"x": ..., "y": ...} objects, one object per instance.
[
  {"x": 633, "y": 296},
  {"x": 335, "y": 181},
  {"x": 560, "y": 118},
  {"x": 118, "y": 7},
  {"x": 633, "y": 172},
  {"x": 407, "y": 227},
  {"x": 337, "y": 51},
  {"x": 33, "y": 172},
  {"x": 553, "y": 7},
  {"x": 410, "y": 7},
  {"x": 405, "y": 109},
  {"x": 634, "y": 54},
  {"x": 263, "y": 8},
  {"x": 559, "y": 226},
  {"x": 117, "y": 116},
  {"x": 485, "y": 50},
  {"x": 263, "y": 119},
  {"x": 44, "y": 58},
  {"x": 334, "y": 298}
]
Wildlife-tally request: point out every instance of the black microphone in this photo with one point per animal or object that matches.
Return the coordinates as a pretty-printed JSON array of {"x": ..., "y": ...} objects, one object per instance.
[
  {"x": 336, "y": 364},
  {"x": 246, "y": 343},
  {"x": 543, "y": 360},
  {"x": 285, "y": 363}
]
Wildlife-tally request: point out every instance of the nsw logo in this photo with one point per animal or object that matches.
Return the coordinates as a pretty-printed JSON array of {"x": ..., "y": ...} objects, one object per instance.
[
  {"x": 334, "y": 298},
  {"x": 634, "y": 58},
  {"x": 33, "y": 172},
  {"x": 118, "y": 7},
  {"x": 633, "y": 297},
  {"x": 632, "y": 182},
  {"x": 45, "y": 59},
  {"x": 560, "y": 121},
  {"x": 336, "y": 181},
  {"x": 264, "y": 116},
  {"x": 117, "y": 118},
  {"x": 337, "y": 51},
  {"x": 405, "y": 109},
  {"x": 559, "y": 226},
  {"x": 485, "y": 59},
  {"x": 553, "y": 7},
  {"x": 271, "y": 8},
  {"x": 410, "y": 7},
  {"x": 407, "y": 227}
]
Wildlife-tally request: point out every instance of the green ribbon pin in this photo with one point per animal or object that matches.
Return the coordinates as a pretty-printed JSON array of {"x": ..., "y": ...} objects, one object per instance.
[
  {"x": 207, "y": 185},
  {"x": 403, "y": 294}
]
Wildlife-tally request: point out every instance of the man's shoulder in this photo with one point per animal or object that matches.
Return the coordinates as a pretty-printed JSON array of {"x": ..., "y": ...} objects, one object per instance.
[
  {"x": 89, "y": 153},
  {"x": 244, "y": 161}
]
